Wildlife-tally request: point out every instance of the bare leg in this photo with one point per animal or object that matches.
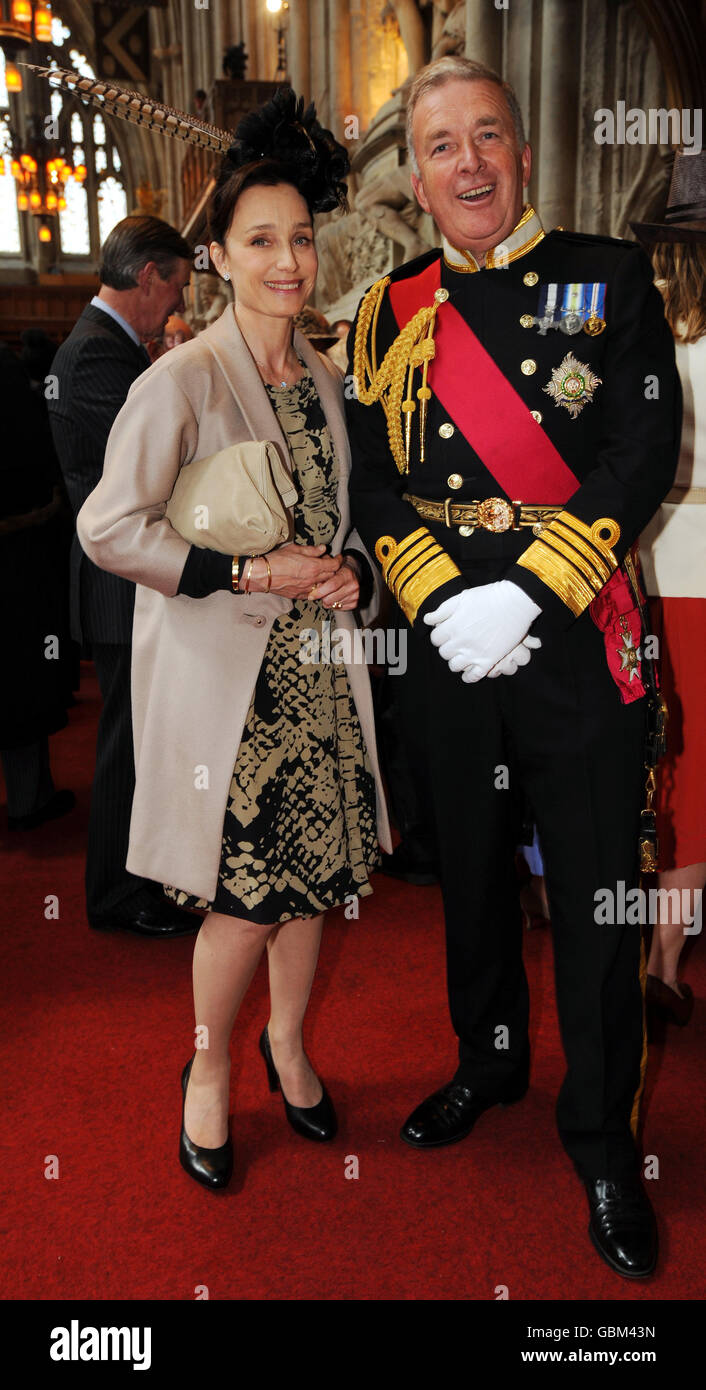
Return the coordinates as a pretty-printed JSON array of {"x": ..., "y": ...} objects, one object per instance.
[
  {"x": 668, "y": 935},
  {"x": 226, "y": 954},
  {"x": 293, "y": 950}
]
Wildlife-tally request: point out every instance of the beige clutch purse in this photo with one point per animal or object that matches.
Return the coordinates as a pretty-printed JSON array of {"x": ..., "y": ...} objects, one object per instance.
[{"x": 235, "y": 501}]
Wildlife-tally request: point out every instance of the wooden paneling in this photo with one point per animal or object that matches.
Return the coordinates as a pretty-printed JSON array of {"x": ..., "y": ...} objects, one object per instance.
[{"x": 55, "y": 308}]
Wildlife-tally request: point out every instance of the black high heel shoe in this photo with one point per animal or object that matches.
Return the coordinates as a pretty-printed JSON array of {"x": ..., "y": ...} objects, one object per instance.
[
  {"x": 312, "y": 1122},
  {"x": 211, "y": 1167}
]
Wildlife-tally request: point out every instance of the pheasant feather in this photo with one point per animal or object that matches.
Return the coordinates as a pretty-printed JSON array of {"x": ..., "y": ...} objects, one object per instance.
[{"x": 131, "y": 106}]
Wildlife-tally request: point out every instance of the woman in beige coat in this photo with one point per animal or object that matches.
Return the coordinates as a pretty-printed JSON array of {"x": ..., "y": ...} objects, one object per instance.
[{"x": 258, "y": 794}]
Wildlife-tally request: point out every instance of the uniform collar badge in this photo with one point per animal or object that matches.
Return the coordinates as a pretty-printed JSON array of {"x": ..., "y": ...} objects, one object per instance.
[
  {"x": 524, "y": 237},
  {"x": 572, "y": 385}
]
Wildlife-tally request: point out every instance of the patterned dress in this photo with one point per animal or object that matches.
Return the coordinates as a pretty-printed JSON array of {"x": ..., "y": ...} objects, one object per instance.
[{"x": 300, "y": 829}]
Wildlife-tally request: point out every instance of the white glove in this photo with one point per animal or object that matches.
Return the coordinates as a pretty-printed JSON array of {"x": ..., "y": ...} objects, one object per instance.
[
  {"x": 476, "y": 629},
  {"x": 519, "y": 656}
]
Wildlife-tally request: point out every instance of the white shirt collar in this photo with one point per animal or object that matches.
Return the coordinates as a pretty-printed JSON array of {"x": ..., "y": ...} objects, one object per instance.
[{"x": 108, "y": 309}]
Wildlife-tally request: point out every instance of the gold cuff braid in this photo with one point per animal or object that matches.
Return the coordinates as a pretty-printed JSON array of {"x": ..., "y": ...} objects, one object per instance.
[
  {"x": 573, "y": 559},
  {"x": 413, "y": 568}
]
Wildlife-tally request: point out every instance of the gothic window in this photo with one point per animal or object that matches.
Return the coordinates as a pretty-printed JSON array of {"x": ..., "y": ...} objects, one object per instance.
[
  {"x": 112, "y": 205},
  {"x": 92, "y": 207},
  {"x": 10, "y": 244}
]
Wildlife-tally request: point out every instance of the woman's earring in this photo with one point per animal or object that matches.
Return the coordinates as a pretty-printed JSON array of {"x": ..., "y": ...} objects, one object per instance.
[{"x": 226, "y": 275}]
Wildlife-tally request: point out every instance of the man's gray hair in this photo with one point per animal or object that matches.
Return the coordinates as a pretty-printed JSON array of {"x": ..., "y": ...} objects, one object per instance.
[{"x": 455, "y": 67}]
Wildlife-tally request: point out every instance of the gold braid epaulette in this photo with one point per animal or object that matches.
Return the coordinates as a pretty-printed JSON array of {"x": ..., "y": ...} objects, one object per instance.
[{"x": 413, "y": 347}]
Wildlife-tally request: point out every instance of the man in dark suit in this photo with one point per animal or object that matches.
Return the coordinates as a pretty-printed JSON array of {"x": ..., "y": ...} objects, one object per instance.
[
  {"x": 517, "y": 424},
  {"x": 145, "y": 265}
]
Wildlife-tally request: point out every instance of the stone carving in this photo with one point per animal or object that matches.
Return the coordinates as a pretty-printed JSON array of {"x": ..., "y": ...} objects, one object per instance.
[
  {"x": 388, "y": 203},
  {"x": 351, "y": 252},
  {"x": 208, "y": 296},
  {"x": 452, "y": 38}
]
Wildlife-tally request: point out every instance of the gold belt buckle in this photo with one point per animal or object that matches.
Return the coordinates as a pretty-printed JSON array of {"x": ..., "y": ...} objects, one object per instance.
[{"x": 496, "y": 514}]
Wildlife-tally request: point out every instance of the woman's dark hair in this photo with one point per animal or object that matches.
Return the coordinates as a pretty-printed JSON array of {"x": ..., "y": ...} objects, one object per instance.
[
  {"x": 280, "y": 143},
  {"x": 132, "y": 243},
  {"x": 266, "y": 173}
]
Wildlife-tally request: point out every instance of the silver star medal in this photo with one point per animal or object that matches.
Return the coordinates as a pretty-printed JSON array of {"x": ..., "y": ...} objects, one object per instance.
[{"x": 572, "y": 385}]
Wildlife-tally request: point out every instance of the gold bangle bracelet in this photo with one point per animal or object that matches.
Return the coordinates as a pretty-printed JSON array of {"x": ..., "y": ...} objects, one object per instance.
[
  {"x": 269, "y": 574},
  {"x": 247, "y": 577},
  {"x": 235, "y": 570}
]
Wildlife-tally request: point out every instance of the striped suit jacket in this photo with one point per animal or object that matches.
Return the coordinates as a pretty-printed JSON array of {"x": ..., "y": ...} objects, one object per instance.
[{"x": 95, "y": 367}]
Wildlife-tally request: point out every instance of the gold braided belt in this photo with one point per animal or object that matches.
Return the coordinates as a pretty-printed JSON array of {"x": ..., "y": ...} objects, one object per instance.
[{"x": 492, "y": 514}]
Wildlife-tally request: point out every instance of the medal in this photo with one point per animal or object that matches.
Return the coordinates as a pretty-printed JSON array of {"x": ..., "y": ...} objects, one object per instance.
[
  {"x": 571, "y": 323},
  {"x": 629, "y": 654},
  {"x": 572, "y": 385},
  {"x": 595, "y": 323},
  {"x": 547, "y": 308},
  {"x": 572, "y": 315}
]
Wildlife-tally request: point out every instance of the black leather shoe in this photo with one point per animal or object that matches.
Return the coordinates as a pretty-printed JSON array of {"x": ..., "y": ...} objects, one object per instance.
[
  {"x": 58, "y": 805},
  {"x": 211, "y": 1167},
  {"x": 163, "y": 919},
  {"x": 312, "y": 1122},
  {"x": 450, "y": 1114},
  {"x": 622, "y": 1226}
]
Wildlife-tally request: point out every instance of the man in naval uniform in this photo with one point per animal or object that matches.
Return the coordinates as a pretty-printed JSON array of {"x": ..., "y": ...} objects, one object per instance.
[{"x": 516, "y": 425}]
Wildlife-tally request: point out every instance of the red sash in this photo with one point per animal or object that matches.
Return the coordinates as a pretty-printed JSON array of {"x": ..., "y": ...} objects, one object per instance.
[
  {"x": 486, "y": 407},
  {"x": 499, "y": 427}
]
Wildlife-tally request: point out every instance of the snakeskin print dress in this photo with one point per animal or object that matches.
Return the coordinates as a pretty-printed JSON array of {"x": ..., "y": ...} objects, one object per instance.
[{"x": 300, "y": 830}]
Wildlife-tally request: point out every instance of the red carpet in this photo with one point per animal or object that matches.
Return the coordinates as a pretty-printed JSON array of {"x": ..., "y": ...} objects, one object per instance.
[{"x": 99, "y": 1028}]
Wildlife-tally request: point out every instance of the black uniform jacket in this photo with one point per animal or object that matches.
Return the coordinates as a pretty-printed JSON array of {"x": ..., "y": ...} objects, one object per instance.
[{"x": 622, "y": 445}]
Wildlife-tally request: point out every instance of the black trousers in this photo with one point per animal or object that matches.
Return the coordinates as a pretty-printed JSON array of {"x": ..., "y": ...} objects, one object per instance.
[
  {"x": 108, "y": 883},
  {"x": 556, "y": 735}
]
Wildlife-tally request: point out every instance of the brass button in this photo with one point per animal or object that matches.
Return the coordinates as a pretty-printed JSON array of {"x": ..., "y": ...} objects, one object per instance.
[
  {"x": 446, "y": 430},
  {"x": 536, "y": 415},
  {"x": 530, "y": 278},
  {"x": 441, "y": 295},
  {"x": 466, "y": 530},
  {"x": 454, "y": 480},
  {"x": 527, "y": 320},
  {"x": 528, "y": 367}
]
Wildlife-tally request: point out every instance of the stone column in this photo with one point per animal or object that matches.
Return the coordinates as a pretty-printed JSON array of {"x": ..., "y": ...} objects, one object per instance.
[
  {"x": 360, "y": 85},
  {"x": 187, "y": 43},
  {"x": 556, "y": 145},
  {"x": 298, "y": 48},
  {"x": 319, "y": 56},
  {"x": 484, "y": 33},
  {"x": 339, "y": 64}
]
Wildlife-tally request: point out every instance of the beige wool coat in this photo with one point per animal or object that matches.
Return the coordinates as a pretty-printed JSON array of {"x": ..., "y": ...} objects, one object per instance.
[{"x": 195, "y": 662}]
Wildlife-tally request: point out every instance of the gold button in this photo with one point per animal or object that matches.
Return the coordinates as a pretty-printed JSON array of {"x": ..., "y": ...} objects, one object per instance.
[
  {"x": 528, "y": 367},
  {"x": 446, "y": 430},
  {"x": 536, "y": 415},
  {"x": 530, "y": 278},
  {"x": 466, "y": 530},
  {"x": 455, "y": 480},
  {"x": 441, "y": 295},
  {"x": 527, "y": 320}
]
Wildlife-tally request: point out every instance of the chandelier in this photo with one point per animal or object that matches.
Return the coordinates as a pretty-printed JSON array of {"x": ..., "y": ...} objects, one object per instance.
[{"x": 37, "y": 163}]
